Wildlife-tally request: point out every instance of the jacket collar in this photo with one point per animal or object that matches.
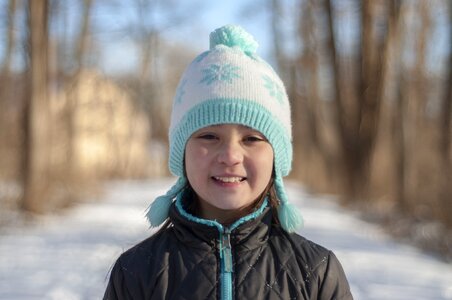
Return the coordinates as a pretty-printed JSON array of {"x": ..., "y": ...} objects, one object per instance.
[{"x": 247, "y": 233}]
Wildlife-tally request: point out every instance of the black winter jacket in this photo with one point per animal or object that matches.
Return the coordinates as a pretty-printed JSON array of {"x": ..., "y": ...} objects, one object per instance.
[{"x": 255, "y": 260}]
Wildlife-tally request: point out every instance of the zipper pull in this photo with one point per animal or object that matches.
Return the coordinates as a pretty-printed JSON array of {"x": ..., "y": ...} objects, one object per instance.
[{"x": 227, "y": 253}]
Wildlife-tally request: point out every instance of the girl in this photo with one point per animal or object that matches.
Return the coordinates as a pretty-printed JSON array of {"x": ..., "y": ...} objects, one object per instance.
[{"x": 228, "y": 230}]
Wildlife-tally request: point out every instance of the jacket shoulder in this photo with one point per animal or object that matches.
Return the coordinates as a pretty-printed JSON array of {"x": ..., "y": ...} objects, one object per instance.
[
  {"x": 304, "y": 250},
  {"x": 317, "y": 263},
  {"x": 144, "y": 254},
  {"x": 136, "y": 268}
]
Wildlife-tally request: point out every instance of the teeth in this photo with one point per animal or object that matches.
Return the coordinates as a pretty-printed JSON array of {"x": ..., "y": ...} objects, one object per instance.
[{"x": 229, "y": 179}]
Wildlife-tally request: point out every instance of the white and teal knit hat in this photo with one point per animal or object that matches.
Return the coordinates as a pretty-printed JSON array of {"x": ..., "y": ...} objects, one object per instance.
[{"x": 230, "y": 84}]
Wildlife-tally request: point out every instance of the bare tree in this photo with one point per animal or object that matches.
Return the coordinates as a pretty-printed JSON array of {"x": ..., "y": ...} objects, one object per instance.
[
  {"x": 398, "y": 142},
  {"x": 72, "y": 87},
  {"x": 6, "y": 88},
  {"x": 357, "y": 121},
  {"x": 347, "y": 151},
  {"x": 10, "y": 39},
  {"x": 314, "y": 153},
  {"x": 445, "y": 141},
  {"x": 398, "y": 127},
  {"x": 82, "y": 40},
  {"x": 36, "y": 141},
  {"x": 147, "y": 34},
  {"x": 277, "y": 15}
]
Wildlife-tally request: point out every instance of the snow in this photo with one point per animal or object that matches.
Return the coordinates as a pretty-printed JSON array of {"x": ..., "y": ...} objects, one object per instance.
[{"x": 69, "y": 256}]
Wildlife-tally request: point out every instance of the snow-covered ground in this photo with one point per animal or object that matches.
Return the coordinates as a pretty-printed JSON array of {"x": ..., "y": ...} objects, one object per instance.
[{"x": 69, "y": 256}]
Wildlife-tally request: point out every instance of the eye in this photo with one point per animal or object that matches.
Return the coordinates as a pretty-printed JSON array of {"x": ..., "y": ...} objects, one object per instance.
[
  {"x": 254, "y": 138},
  {"x": 207, "y": 136}
]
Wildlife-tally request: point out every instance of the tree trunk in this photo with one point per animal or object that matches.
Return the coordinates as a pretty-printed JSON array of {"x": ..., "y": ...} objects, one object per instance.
[
  {"x": 277, "y": 35},
  {"x": 84, "y": 34},
  {"x": 36, "y": 146},
  {"x": 398, "y": 142},
  {"x": 307, "y": 102},
  {"x": 308, "y": 65},
  {"x": 369, "y": 91},
  {"x": 357, "y": 121},
  {"x": 445, "y": 141},
  {"x": 10, "y": 40},
  {"x": 72, "y": 90},
  {"x": 393, "y": 42},
  {"x": 347, "y": 140},
  {"x": 6, "y": 87}
]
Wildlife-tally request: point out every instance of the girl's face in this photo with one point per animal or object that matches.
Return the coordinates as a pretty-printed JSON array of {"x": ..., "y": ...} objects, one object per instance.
[{"x": 228, "y": 166}]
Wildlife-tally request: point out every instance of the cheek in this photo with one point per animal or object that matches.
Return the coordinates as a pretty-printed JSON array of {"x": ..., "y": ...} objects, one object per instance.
[
  {"x": 263, "y": 165},
  {"x": 195, "y": 159},
  {"x": 189, "y": 159},
  {"x": 267, "y": 169}
]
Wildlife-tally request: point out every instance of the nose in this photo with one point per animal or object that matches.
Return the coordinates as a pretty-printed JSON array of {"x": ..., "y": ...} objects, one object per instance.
[{"x": 230, "y": 154}]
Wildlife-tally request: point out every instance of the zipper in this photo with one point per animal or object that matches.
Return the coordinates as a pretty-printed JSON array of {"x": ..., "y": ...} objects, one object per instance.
[
  {"x": 225, "y": 249},
  {"x": 226, "y": 265}
]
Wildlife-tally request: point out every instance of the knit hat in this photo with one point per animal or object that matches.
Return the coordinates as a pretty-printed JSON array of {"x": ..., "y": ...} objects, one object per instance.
[{"x": 230, "y": 84}]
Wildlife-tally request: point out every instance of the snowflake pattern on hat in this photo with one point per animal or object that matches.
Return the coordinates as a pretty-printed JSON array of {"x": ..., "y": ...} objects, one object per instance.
[
  {"x": 181, "y": 91},
  {"x": 220, "y": 73},
  {"x": 273, "y": 88}
]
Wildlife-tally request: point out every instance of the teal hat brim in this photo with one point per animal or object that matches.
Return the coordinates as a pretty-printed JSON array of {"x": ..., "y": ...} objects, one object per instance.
[{"x": 231, "y": 111}]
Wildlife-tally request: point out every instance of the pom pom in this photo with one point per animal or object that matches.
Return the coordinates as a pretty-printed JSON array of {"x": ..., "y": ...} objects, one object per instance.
[
  {"x": 233, "y": 36},
  {"x": 289, "y": 217},
  {"x": 158, "y": 211}
]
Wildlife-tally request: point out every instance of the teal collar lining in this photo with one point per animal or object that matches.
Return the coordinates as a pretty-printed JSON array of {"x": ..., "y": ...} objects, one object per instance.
[{"x": 214, "y": 223}]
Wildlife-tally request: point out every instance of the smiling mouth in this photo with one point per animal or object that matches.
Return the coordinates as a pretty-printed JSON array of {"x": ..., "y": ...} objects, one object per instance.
[{"x": 229, "y": 179}]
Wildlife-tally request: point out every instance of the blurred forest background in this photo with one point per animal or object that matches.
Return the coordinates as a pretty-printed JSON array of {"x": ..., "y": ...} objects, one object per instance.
[{"x": 370, "y": 84}]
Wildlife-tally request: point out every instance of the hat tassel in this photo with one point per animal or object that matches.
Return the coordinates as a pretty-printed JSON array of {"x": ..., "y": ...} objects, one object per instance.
[
  {"x": 288, "y": 214},
  {"x": 158, "y": 211}
]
